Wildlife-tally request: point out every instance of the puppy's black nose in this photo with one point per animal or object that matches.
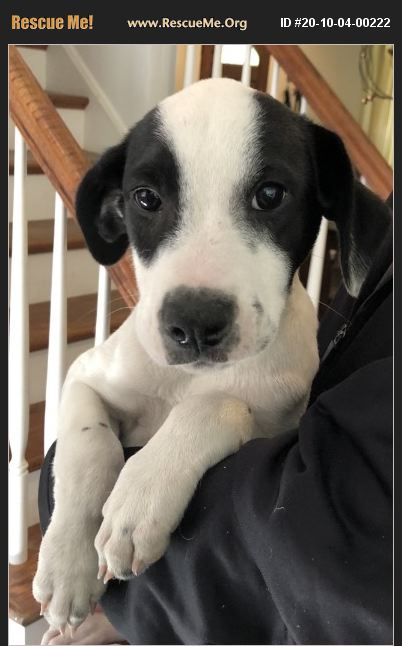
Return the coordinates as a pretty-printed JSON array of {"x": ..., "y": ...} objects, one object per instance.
[{"x": 196, "y": 322}]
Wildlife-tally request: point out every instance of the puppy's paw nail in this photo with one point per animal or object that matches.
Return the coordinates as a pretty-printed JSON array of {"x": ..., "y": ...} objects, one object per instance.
[
  {"x": 138, "y": 567},
  {"x": 109, "y": 575},
  {"x": 102, "y": 571},
  {"x": 72, "y": 630},
  {"x": 62, "y": 629}
]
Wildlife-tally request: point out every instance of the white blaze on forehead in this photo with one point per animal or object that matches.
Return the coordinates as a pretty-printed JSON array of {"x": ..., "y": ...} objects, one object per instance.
[{"x": 211, "y": 127}]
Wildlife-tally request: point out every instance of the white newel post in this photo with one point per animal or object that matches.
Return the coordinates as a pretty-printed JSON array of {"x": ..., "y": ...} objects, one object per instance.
[
  {"x": 57, "y": 324},
  {"x": 102, "y": 328},
  {"x": 246, "y": 69},
  {"x": 274, "y": 85},
  {"x": 316, "y": 268},
  {"x": 18, "y": 365},
  {"x": 190, "y": 64},
  {"x": 217, "y": 62}
]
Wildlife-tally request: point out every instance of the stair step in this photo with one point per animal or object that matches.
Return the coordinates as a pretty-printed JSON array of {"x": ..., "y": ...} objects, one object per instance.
[
  {"x": 40, "y": 236},
  {"x": 81, "y": 315},
  {"x": 22, "y": 606},
  {"x": 33, "y": 168},
  {"x": 82, "y": 329},
  {"x": 44, "y": 47},
  {"x": 34, "y": 453},
  {"x": 68, "y": 101}
]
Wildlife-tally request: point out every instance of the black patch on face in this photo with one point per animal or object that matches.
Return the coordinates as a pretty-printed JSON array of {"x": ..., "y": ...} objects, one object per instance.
[
  {"x": 198, "y": 326},
  {"x": 281, "y": 148},
  {"x": 151, "y": 163}
]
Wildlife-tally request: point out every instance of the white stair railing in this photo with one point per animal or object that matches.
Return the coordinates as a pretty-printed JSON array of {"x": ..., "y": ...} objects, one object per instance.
[
  {"x": 190, "y": 65},
  {"x": 316, "y": 268},
  {"x": 19, "y": 348},
  {"x": 246, "y": 70},
  {"x": 102, "y": 328},
  {"x": 56, "y": 362},
  {"x": 274, "y": 87},
  {"x": 217, "y": 62},
  {"x": 18, "y": 418}
]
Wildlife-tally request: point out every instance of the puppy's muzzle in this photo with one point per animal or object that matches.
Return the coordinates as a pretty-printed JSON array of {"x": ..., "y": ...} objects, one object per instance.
[{"x": 197, "y": 325}]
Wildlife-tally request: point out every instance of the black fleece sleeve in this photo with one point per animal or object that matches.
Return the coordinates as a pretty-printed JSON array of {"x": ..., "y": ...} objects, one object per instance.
[{"x": 287, "y": 541}]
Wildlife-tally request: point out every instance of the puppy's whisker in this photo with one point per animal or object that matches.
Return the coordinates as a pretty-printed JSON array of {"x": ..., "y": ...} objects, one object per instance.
[
  {"x": 119, "y": 309},
  {"x": 333, "y": 310},
  {"x": 88, "y": 313}
]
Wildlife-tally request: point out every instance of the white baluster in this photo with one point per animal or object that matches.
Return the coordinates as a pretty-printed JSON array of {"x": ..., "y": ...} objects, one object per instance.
[
  {"x": 274, "y": 87},
  {"x": 190, "y": 63},
  {"x": 18, "y": 365},
  {"x": 316, "y": 268},
  {"x": 303, "y": 105},
  {"x": 102, "y": 307},
  {"x": 246, "y": 69},
  {"x": 217, "y": 62},
  {"x": 56, "y": 360}
]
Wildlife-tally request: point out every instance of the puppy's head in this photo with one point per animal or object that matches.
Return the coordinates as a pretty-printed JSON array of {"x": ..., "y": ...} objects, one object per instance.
[{"x": 219, "y": 191}]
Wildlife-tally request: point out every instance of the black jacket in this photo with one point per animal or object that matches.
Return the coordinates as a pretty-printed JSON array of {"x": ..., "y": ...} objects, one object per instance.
[{"x": 290, "y": 539}]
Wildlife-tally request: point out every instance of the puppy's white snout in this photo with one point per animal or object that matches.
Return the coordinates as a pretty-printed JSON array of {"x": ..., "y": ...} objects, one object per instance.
[{"x": 197, "y": 324}]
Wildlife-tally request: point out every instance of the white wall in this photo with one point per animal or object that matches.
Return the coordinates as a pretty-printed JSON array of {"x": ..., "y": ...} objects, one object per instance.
[
  {"x": 339, "y": 65},
  {"x": 130, "y": 78},
  {"x": 62, "y": 76},
  {"x": 134, "y": 77}
]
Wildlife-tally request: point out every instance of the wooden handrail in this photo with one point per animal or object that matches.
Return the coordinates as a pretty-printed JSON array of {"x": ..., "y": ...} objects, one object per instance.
[
  {"x": 333, "y": 114},
  {"x": 56, "y": 150}
]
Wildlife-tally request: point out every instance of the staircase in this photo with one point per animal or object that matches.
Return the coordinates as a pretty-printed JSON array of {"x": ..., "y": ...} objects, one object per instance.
[
  {"x": 64, "y": 160},
  {"x": 26, "y": 625}
]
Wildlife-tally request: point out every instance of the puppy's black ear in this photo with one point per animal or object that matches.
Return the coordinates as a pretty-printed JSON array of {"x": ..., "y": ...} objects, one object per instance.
[
  {"x": 100, "y": 207},
  {"x": 361, "y": 218}
]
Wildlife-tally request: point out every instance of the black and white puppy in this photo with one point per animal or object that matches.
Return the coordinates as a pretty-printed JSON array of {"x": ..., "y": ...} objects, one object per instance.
[{"x": 219, "y": 193}]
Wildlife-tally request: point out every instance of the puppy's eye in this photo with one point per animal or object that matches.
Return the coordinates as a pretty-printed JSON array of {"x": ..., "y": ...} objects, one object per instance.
[
  {"x": 268, "y": 196},
  {"x": 147, "y": 199}
]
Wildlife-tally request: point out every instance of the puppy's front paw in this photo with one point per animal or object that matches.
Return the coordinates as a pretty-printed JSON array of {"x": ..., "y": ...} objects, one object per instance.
[
  {"x": 66, "y": 583},
  {"x": 144, "y": 508}
]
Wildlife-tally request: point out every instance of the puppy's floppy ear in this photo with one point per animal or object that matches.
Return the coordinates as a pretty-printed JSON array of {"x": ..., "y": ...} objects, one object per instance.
[
  {"x": 361, "y": 218},
  {"x": 100, "y": 206}
]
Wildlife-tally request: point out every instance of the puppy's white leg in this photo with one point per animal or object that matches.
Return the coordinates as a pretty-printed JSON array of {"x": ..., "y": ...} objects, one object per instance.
[
  {"x": 157, "y": 483},
  {"x": 88, "y": 460}
]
